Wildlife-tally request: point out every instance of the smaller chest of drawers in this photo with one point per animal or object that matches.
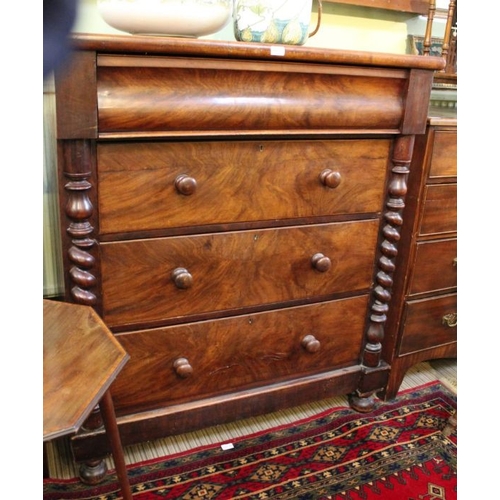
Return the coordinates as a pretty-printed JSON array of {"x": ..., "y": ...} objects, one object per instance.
[{"x": 423, "y": 325}]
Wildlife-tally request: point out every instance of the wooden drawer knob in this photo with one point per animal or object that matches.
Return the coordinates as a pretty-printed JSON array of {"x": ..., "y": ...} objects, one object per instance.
[
  {"x": 330, "y": 178},
  {"x": 320, "y": 262},
  {"x": 310, "y": 343},
  {"x": 182, "y": 368},
  {"x": 449, "y": 320},
  {"x": 182, "y": 278},
  {"x": 185, "y": 184}
]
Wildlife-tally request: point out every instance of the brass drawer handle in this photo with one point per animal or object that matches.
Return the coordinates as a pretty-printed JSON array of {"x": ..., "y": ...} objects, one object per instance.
[
  {"x": 330, "y": 178},
  {"x": 182, "y": 278},
  {"x": 310, "y": 344},
  {"x": 455, "y": 262},
  {"x": 183, "y": 368},
  {"x": 320, "y": 262},
  {"x": 449, "y": 320},
  {"x": 185, "y": 184}
]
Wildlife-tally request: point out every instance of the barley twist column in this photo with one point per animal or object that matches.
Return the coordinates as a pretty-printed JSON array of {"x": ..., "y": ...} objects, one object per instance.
[{"x": 391, "y": 225}]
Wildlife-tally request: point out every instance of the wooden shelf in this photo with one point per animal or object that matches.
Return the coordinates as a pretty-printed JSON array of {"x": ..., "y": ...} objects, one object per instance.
[{"x": 410, "y": 6}]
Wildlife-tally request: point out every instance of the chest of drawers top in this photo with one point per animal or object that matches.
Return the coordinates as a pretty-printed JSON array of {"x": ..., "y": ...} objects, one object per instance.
[{"x": 124, "y": 87}]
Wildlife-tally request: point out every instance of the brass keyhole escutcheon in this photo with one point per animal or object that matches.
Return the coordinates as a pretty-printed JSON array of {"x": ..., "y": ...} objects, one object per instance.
[{"x": 449, "y": 320}]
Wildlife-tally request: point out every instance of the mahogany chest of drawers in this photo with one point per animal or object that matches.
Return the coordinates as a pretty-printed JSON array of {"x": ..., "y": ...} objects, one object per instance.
[
  {"x": 422, "y": 323},
  {"x": 233, "y": 213}
]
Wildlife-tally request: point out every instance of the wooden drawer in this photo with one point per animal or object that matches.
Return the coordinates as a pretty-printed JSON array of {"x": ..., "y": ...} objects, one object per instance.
[
  {"x": 199, "y": 94},
  {"x": 233, "y": 270},
  {"x": 427, "y": 323},
  {"x": 440, "y": 209},
  {"x": 235, "y": 181},
  {"x": 435, "y": 266},
  {"x": 444, "y": 154},
  {"x": 236, "y": 353}
]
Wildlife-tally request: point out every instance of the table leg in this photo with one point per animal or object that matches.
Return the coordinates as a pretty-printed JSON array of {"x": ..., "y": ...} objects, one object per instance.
[{"x": 109, "y": 419}]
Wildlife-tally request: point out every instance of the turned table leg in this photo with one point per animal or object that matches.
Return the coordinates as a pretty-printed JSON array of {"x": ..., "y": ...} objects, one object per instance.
[{"x": 109, "y": 419}]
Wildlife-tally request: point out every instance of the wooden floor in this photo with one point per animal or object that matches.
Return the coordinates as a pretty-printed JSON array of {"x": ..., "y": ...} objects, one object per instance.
[{"x": 60, "y": 464}]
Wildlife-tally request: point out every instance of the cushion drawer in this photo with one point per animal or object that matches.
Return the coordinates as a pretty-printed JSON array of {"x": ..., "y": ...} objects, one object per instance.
[
  {"x": 199, "y": 94},
  {"x": 435, "y": 266},
  {"x": 444, "y": 154},
  {"x": 429, "y": 323},
  {"x": 237, "y": 352},
  {"x": 440, "y": 209},
  {"x": 233, "y": 270},
  {"x": 235, "y": 181}
]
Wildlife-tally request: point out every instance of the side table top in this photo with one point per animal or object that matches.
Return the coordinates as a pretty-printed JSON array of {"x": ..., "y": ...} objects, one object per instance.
[{"x": 81, "y": 358}]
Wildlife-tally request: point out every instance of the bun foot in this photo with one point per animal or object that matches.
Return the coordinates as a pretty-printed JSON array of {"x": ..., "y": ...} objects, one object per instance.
[
  {"x": 362, "y": 404},
  {"x": 92, "y": 472}
]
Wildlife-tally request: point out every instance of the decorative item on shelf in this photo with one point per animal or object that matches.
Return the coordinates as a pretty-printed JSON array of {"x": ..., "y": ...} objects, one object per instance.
[
  {"x": 187, "y": 18},
  {"x": 274, "y": 21}
]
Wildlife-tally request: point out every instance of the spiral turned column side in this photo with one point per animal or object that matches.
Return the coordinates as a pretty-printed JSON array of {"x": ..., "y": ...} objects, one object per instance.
[
  {"x": 81, "y": 251},
  {"x": 375, "y": 371},
  {"x": 78, "y": 211}
]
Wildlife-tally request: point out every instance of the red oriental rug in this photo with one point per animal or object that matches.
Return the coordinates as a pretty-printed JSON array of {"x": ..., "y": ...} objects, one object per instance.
[{"x": 396, "y": 452}]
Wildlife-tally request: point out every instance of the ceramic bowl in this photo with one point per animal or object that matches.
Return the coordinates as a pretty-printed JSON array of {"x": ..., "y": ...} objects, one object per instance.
[{"x": 189, "y": 18}]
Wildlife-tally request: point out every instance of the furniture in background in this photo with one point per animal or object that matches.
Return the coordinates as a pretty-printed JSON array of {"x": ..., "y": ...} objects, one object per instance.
[
  {"x": 448, "y": 50},
  {"x": 233, "y": 212},
  {"x": 81, "y": 358},
  {"x": 422, "y": 323}
]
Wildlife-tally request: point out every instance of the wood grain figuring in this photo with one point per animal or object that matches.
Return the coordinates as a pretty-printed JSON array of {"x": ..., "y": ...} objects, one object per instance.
[
  {"x": 435, "y": 266},
  {"x": 173, "y": 99},
  {"x": 424, "y": 323},
  {"x": 233, "y": 270},
  {"x": 237, "y": 352},
  {"x": 236, "y": 181},
  {"x": 80, "y": 360}
]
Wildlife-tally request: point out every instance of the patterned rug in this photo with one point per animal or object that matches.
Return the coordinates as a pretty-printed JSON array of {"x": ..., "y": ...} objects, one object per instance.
[{"x": 396, "y": 452}]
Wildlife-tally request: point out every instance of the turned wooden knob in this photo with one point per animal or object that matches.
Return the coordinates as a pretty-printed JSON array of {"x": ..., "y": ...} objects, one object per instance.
[
  {"x": 310, "y": 343},
  {"x": 182, "y": 278},
  {"x": 320, "y": 262},
  {"x": 182, "y": 368},
  {"x": 330, "y": 178},
  {"x": 185, "y": 184}
]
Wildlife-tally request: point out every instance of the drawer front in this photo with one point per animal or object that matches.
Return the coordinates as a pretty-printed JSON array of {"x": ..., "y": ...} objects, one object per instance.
[
  {"x": 232, "y": 270},
  {"x": 440, "y": 209},
  {"x": 435, "y": 266},
  {"x": 178, "y": 363},
  {"x": 429, "y": 323},
  {"x": 444, "y": 154},
  {"x": 140, "y": 188},
  {"x": 206, "y": 94}
]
